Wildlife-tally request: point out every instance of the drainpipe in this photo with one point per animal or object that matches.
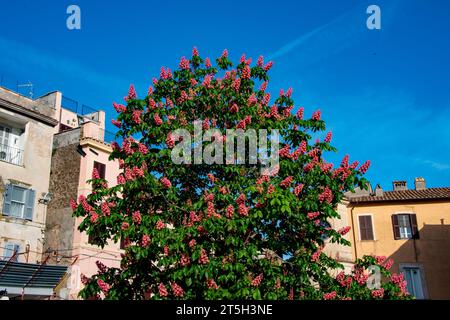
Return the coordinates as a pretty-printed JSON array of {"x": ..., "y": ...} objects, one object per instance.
[{"x": 353, "y": 234}]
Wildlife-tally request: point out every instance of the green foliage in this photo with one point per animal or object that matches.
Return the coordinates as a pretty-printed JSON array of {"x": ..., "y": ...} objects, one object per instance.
[{"x": 219, "y": 231}]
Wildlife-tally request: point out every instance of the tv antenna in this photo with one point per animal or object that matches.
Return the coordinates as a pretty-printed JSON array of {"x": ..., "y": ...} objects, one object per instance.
[{"x": 27, "y": 85}]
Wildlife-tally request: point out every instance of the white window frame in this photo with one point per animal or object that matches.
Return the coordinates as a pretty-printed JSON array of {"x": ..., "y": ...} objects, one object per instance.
[
  {"x": 373, "y": 226},
  {"x": 410, "y": 225},
  {"x": 5, "y": 250},
  {"x": 22, "y": 203}
]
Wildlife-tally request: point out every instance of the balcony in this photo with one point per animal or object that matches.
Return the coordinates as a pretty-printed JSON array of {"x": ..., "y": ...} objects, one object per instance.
[{"x": 11, "y": 155}]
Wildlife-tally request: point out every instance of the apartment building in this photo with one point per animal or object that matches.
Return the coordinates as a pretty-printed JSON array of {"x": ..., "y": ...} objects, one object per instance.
[
  {"x": 411, "y": 226},
  {"x": 26, "y": 137}
]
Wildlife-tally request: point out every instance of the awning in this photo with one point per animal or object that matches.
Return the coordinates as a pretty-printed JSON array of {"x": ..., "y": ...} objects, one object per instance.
[{"x": 31, "y": 280}]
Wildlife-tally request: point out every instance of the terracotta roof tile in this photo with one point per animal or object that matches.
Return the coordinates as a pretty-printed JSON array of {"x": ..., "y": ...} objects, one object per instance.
[{"x": 405, "y": 195}]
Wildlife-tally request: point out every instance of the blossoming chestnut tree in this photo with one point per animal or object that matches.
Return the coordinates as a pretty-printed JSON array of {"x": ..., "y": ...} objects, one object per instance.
[{"x": 223, "y": 231}]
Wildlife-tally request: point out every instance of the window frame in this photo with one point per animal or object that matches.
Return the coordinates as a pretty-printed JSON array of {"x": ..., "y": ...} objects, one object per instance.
[
  {"x": 28, "y": 201},
  {"x": 372, "y": 224},
  {"x": 413, "y": 225},
  {"x": 6, "y": 249},
  {"x": 101, "y": 168}
]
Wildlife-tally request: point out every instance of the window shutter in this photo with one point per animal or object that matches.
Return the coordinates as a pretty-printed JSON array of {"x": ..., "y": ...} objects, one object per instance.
[
  {"x": 362, "y": 227},
  {"x": 29, "y": 204},
  {"x": 395, "y": 227},
  {"x": 7, "y": 200},
  {"x": 365, "y": 227},
  {"x": 369, "y": 228},
  {"x": 414, "y": 228}
]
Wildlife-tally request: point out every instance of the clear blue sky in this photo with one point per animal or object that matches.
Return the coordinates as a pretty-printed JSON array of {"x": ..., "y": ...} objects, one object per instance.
[{"x": 385, "y": 93}]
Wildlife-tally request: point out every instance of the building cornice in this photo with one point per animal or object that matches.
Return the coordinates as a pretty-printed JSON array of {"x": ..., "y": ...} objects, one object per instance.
[{"x": 28, "y": 113}]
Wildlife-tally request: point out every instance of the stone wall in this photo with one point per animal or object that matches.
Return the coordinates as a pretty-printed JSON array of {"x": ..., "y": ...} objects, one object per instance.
[{"x": 64, "y": 177}]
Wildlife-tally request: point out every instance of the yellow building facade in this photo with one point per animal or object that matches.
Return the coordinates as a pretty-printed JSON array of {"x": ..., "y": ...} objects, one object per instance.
[{"x": 411, "y": 226}]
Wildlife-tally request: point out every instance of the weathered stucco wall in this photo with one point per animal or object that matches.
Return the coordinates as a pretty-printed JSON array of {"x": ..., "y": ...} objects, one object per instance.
[{"x": 36, "y": 143}]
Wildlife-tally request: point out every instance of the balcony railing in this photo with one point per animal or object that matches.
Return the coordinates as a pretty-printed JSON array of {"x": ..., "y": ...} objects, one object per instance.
[{"x": 11, "y": 154}]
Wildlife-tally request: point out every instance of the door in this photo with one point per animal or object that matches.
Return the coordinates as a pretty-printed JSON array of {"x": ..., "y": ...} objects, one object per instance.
[
  {"x": 5, "y": 136},
  {"x": 413, "y": 277}
]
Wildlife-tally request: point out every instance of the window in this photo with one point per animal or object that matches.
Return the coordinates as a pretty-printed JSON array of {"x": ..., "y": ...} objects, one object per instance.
[
  {"x": 19, "y": 202},
  {"x": 405, "y": 226},
  {"x": 413, "y": 277},
  {"x": 10, "y": 146},
  {"x": 365, "y": 227},
  {"x": 9, "y": 250},
  {"x": 101, "y": 168}
]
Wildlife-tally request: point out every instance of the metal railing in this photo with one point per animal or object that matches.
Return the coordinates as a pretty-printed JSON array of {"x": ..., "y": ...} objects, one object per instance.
[
  {"x": 11, "y": 154},
  {"x": 100, "y": 135}
]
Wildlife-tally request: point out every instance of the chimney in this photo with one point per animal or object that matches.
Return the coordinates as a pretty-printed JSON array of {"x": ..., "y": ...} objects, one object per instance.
[
  {"x": 378, "y": 191},
  {"x": 419, "y": 183},
  {"x": 400, "y": 185}
]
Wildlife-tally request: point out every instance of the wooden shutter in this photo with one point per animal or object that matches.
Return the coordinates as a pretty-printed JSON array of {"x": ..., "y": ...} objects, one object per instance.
[
  {"x": 365, "y": 227},
  {"x": 395, "y": 226},
  {"x": 29, "y": 204},
  {"x": 7, "y": 200},
  {"x": 101, "y": 168},
  {"x": 414, "y": 228}
]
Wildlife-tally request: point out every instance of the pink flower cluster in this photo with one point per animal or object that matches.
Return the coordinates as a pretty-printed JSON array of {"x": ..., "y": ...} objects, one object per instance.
[
  {"x": 211, "y": 284},
  {"x": 103, "y": 286},
  {"x": 229, "y": 211},
  {"x": 170, "y": 142},
  {"x": 316, "y": 115},
  {"x": 329, "y": 296},
  {"x": 298, "y": 189},
  {"x": 257, "y": 280},
  {"x": 105, "y": 209},
  {"x": 73, "y": 204},
  {"x": 184, "y": 64},
  {"x": 177, "y": 290},
  {"x": 246, "y": 72},
  {"x": 203, "y": 257},
  {"x": 131, "y": 93},
  {"x": 137, "y": 217},
  {"x": 95, "y": 174},
  {"x": 286, "y": 182},
  {"x": 399, "y": 280},
  {"x": 313, "y": 215},
  {"x": 136, "y": 117},
  {"x": 185, "y": 260},
  {"x": 116, "y": 123},
  {"x": 119, "y": 107},
  {"x": 157, "y": 119},
  {"x": 328, "y": 137},
  {"x": 160, "y": 225},
  {"x": 145, "y": 240},
  {"x": 343, "y": 231},
  {"x": 166, "y": 183},
  {"x": 300, "y": 113},
  {"x": 326, "y": 196},
  {"x": 162, "y": 290},
  {"x": 364, "y": 167},
  {"x": 378, "y": 293},
  {"x": 243, "y": 210}
]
